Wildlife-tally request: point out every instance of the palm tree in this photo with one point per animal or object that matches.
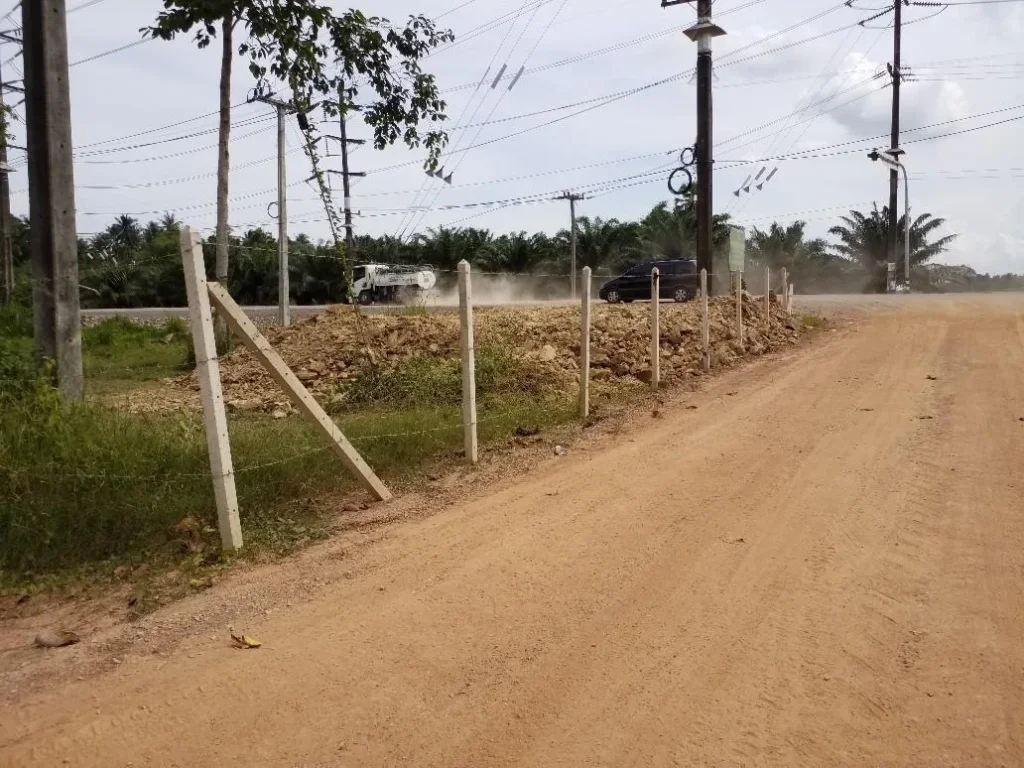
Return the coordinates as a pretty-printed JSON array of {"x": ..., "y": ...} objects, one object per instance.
[
  {"x": 671, "y": 233},
  {"x": 126, "y": 236},
  {"x": 445, "y": 247},
  {"x": 601, "y": 243},
  {"x": 864, "y": 238},
  {"x": 781, "y": 246}
]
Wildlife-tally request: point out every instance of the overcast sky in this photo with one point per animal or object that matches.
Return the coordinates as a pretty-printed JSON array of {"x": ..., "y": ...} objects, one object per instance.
[{"x": 966, "y": 61}]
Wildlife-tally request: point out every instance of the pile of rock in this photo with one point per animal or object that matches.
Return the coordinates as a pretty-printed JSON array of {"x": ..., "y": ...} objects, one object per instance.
[{"x": 331, "y": 350}]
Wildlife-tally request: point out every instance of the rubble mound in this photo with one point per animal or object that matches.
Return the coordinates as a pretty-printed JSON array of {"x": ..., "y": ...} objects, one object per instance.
[{"x": 330, "y": 351}]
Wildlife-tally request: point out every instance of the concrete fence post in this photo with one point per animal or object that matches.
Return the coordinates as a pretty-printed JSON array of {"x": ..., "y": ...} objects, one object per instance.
[
  {"x": 655, "y": 328},
  {"x": 705, "y": 326},
  {"x": 789, "y": 298},
  {"x": 585, "y": 345},
  {"x": 208, "y": 373},
  {"x": 739, "y": 308},
  {"x": 468, "y": 362},
  {"x": 785, "y": 289},
  {"x": 768, "y": 293}
]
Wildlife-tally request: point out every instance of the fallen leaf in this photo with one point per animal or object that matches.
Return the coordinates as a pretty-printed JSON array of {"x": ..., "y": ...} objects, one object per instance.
[
  {"x": 244, "y": 641},
  {"x": 56, "y": 639}
]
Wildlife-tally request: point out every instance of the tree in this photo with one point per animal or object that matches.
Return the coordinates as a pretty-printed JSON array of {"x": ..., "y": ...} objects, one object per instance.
[
  {"x": 671, "y": 232},
  {"x": 864, "y": 238},
  {"x": 304, "y": 45},
  {"x": 607, "y": 243}
]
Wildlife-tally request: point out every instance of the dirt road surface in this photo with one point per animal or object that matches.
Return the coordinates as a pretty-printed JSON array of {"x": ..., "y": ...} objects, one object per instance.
[{"x": 820, "y": 565}]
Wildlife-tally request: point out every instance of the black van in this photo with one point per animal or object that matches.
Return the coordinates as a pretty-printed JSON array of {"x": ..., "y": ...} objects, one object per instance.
[{"x": 679, "y": 280}]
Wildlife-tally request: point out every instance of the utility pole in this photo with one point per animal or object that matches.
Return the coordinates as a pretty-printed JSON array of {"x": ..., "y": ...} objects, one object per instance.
[
  {"x": 283, "y": 285},
  {"x": 894, "y": 144},
  {"x": 572, "y": 198},
  {"x": 6, "y": 252},
  {"x": 55, "y": 307},
  {"x": 346, "y": 174},
  {"x": 702, "y": 33},
  {"x": 346, "y": 184}
]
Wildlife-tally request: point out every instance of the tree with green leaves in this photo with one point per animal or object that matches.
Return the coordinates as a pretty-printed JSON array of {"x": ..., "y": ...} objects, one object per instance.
[
  {"x": 863, "y": 237},
  {"x": 670, "y": 232},
  {"x": 809, "y": 262},
  {"x": 318, "y": 54}
]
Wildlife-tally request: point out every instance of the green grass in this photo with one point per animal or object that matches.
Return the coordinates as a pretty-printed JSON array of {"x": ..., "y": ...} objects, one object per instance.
[
  {"x": 87, "y": 484},
  {"x": 85, "y": 487},
  {"x": 438, "y": 381},
  {"x": 118, "y": 353}
]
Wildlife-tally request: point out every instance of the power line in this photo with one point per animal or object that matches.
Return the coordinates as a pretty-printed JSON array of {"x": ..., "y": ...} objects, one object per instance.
[
  {"x": 954, "y": 3},
  {"x": 111, "y": 52},
  {"x": 817, "y": 153},
  {"x": 504, "y": 93}
]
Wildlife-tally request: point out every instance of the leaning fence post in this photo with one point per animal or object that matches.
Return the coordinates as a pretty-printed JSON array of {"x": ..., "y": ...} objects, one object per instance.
[
  {"x": 739, "y": 308},
  {"x": 468, "y": 362},
  {"x": 768, "y": 293},
  {"x": 655, "y": 328},
  {"x": 705, "y": 327},
  {"x": 208, "y": 373},
  {"x": 585, "y": 346}
]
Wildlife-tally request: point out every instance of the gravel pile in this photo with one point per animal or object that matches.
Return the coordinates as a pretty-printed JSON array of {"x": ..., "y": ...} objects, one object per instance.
[{"x": 332, "y": 349}]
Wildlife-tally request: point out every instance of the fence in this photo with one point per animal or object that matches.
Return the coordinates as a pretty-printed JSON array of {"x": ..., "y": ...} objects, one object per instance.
[{"x": 203, "y": 296}]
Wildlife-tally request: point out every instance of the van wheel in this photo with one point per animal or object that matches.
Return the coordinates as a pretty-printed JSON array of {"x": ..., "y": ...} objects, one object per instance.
[
  {"x": 366, "y": 298},
  {"x": 613, "y": 297},
  {"x": 680, "y": 295}
]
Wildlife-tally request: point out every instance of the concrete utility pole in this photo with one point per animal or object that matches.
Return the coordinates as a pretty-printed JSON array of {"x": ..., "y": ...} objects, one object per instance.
[
  {"x": 346, "y": 175},
  {"x": 702, "y": 33},
  {"x": 572, "y": 198},
  {"x": 6, "y": 252},
  {"x": 55, "y": 308},
  {"x": 283, "y": 284},
  {"x": 894, "y": 144}
]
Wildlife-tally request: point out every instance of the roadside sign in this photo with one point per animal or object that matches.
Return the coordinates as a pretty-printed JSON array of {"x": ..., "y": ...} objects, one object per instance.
[{"x": 737, "y": 247}]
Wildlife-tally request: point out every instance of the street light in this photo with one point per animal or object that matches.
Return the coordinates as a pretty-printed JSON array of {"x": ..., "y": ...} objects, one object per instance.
[{"x": 891, "y": 158}]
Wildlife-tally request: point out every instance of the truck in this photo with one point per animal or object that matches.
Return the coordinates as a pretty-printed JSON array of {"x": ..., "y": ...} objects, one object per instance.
[{"x": 391, "y": 283}]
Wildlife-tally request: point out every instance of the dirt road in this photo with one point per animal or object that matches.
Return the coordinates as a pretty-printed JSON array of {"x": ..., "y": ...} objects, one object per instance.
[{"x": 822, "y": 564}]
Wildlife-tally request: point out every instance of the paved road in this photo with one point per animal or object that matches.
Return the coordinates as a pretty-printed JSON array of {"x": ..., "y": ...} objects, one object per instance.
[
  {"x": 268, "y": 315},
  {"x": 820, "y": 565}
]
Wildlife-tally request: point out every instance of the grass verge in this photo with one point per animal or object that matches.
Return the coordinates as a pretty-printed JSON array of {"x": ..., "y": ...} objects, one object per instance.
[{"x": 85, "y": 487}]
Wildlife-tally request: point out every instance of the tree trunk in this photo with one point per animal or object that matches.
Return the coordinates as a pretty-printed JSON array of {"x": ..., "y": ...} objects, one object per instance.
[{"x": 223, "y": 165}]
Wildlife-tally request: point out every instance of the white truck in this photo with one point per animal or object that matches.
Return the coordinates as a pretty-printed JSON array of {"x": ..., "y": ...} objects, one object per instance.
[{"x": 391, "y": 283}]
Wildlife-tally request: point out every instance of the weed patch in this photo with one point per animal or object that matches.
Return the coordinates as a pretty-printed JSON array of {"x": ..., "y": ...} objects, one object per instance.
[{"x": 437, "y": 381}]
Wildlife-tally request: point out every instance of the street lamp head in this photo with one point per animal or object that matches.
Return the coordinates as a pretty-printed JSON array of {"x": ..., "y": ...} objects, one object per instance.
[{"x": 873, "y": 154}]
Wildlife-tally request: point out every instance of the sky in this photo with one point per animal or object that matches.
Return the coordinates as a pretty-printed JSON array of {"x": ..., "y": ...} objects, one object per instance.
[{"x": 794, "y": 88}]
